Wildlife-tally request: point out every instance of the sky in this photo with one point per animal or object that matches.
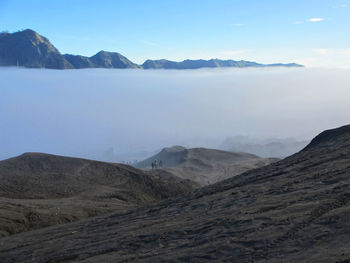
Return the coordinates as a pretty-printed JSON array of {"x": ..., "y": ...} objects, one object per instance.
[{"x": 314, "y": 33}]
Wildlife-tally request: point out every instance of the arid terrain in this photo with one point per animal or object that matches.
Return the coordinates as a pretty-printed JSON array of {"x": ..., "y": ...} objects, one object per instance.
[
  {"x": 204, "y": 166},
  {"x": 38, "y": 190},
  {"x": 295, "y": 210}
]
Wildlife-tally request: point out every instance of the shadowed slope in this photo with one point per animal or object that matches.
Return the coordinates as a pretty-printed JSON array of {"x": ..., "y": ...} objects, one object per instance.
[
  {"x": 296, "y": 210},
  {"x": 38, "y": 190}
]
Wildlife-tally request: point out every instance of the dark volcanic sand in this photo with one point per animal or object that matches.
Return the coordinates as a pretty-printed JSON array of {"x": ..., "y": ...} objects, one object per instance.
[
  {"x": 38, "y": 190},
  {"x": 296, "y": 210}
]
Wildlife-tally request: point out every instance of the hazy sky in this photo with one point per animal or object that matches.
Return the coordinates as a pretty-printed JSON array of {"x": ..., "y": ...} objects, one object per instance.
[
  {"x": 311, "y": 32},
  {"x": 85, "y": 112}
]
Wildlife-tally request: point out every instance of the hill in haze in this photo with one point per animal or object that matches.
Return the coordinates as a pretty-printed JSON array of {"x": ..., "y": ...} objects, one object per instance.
[
  {"x": 29, "y": 49},
  {"x": 204, "y": 166},
  {"x": 295, "y": 210},
  {"x": 38, "y": 190},
  {"x": 275, "y": 148}
]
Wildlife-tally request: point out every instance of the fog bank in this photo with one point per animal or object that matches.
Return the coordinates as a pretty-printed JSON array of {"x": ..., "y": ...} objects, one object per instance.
[{"x": 99, "y": 113}]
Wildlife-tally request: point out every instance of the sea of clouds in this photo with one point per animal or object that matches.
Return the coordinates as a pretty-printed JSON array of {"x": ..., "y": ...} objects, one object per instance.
[{"x": 111, "y": 114}]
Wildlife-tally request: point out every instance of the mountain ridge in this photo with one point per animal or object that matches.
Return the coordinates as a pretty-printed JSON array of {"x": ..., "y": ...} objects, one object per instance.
[
  {"x": 29, "y": 49},
  {"x": 211, "y": 63}
]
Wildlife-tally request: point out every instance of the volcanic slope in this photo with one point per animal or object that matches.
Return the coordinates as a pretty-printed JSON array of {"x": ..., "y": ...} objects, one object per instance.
[
  {"x": 295, "y": 210},
  {"x": 204, "y": 166},
  {"x": 38, "y": 190}
]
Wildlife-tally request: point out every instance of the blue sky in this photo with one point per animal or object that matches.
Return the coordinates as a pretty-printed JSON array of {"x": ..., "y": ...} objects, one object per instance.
[{"x": 312, "y": 32}]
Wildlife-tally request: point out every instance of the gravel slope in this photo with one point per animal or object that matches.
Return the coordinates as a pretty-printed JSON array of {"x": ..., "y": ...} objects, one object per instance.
[
  {"x": 38, "y": 190},
  {"x": 295, "y": 210}
]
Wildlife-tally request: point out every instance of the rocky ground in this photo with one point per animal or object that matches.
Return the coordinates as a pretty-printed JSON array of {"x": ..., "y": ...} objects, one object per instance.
[
  {"x": 38, "y": 190},
  {"x": 295, "y": 210}
]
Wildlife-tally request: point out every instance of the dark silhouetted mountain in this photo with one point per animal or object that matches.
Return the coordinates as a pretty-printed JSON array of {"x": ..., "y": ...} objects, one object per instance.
[
  {"x": 204, "y": 166},
  {"x": 102, "y": 59},
  {"x": 41, "y": 190},
  {"x": 28, "y": 49},
  {"x": 295, "y": 210},
  {"x": 213, "y": 63},
  {"x": 78, "y": 61}
]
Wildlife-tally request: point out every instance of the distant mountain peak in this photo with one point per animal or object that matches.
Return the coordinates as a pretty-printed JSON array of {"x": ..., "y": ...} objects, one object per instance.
[
  {"x": 28, "y": 32},
  {"x": 105, "y": 53},
  {"x": 29, "y": 49},
  {"x": 34, "y": 37},
  {"x": 105, "y": 59}
]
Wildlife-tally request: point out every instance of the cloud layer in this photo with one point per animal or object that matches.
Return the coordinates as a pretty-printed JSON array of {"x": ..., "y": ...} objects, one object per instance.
[{"x": 85, "y": 112}]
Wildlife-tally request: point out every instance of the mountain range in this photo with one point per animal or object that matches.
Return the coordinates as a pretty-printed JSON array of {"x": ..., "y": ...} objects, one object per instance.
[{"x": 29, "y": 49}]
